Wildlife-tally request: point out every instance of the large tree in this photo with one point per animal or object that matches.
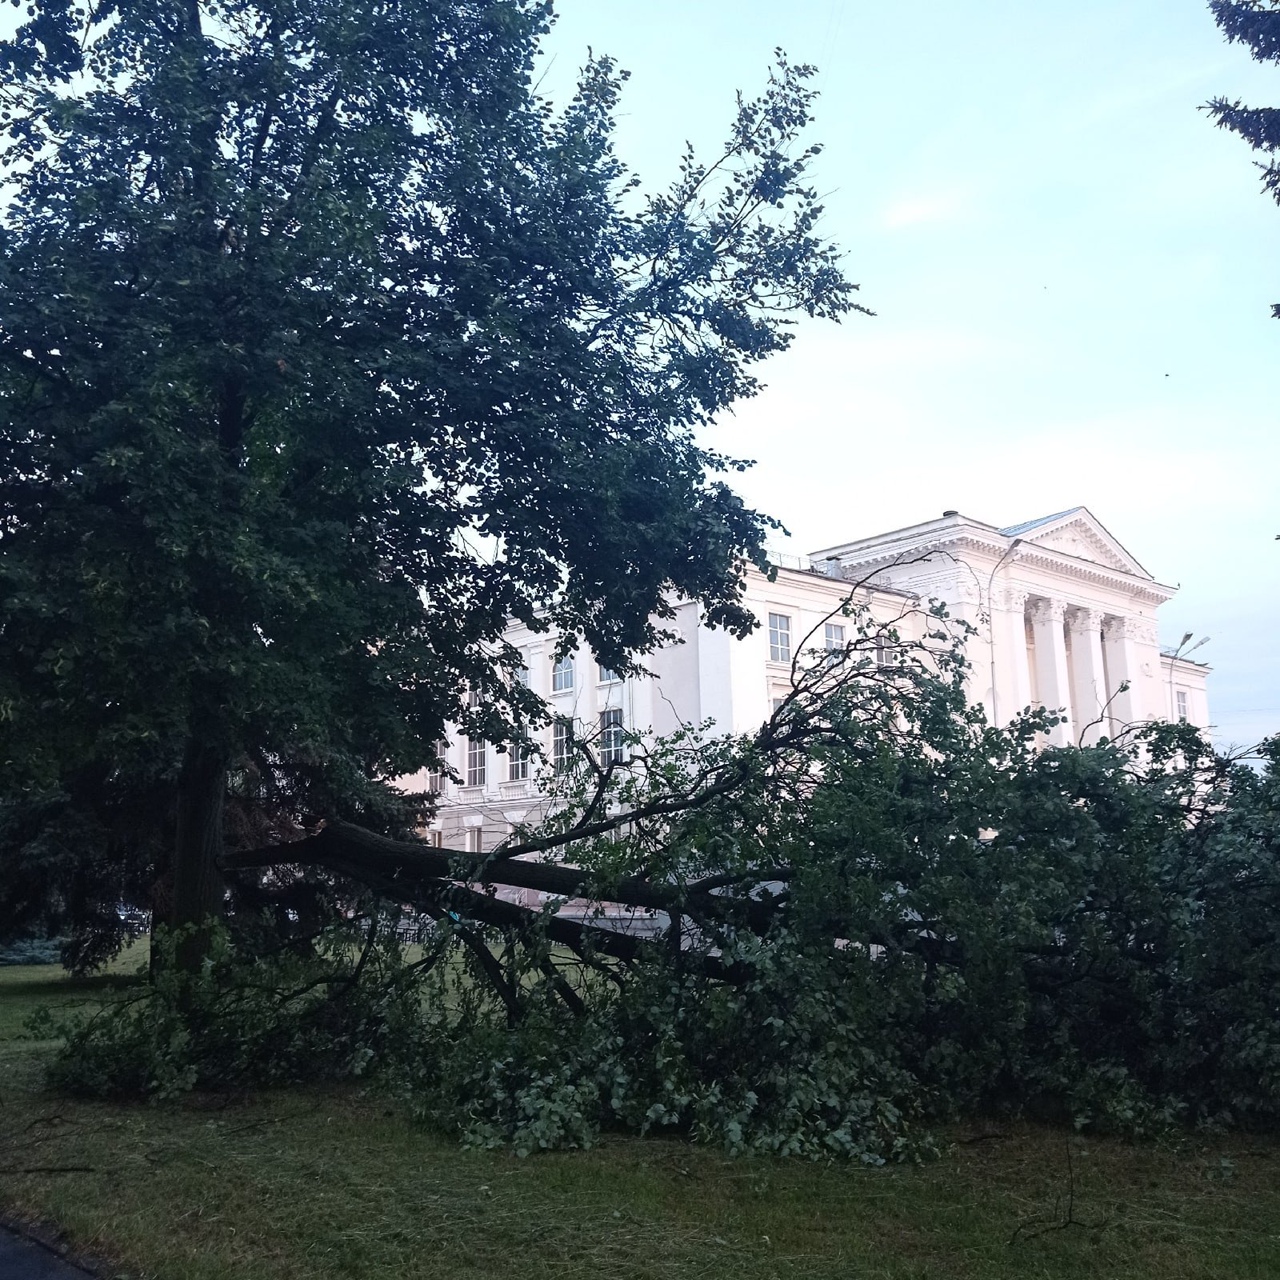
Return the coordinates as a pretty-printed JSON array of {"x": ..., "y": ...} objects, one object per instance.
[{"x": 326, "y": 346}]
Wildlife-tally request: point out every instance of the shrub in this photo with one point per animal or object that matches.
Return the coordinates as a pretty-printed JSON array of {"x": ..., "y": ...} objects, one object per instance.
[{"x": 242, "y": 1021}]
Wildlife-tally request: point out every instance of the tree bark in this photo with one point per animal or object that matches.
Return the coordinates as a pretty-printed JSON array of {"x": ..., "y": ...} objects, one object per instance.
[
  {"x": 410, "y": 860},
  {"x": 197, "y": 884}
]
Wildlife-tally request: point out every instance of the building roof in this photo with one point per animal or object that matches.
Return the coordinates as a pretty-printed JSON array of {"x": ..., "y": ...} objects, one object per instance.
[
  {"x": 1071, "y": 537},
  {"x": 1017, "y": 530}
]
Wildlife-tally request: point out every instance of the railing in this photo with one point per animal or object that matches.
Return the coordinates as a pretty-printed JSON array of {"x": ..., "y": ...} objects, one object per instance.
[{"x": 786, "y": 560}]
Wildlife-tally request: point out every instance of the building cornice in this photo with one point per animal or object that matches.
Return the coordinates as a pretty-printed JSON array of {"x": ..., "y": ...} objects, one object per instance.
[
  {"x": 842, "y": 584},
  {"x": 979, "y": 539},
  {"x": 1188, "y": 665}
]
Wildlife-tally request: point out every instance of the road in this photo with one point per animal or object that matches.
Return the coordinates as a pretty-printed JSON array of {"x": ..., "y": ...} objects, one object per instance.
[{"x": 22, "y": 1259}]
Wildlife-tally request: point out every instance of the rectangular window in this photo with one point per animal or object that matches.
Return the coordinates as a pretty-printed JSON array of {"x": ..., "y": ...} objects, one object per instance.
[
  {"x": 884, "y": 654},
  {"x": 1182, "y": 704},
  {"x": 607, "y": 676},
  {"x": 562, "y": 674},
  {"x": 518, "y": 763},
  {"x": 779, "y": 637},
  {"x": 473, "y": 840},
  {"x": 562, "y": 745},
  {"x": 611, "y": 734},
  {"x": 476, "y": 756},
  {"x": 833, "y": 635},
  {"x": 435, "y": 772},
  {"x": 521, "y": 674}
]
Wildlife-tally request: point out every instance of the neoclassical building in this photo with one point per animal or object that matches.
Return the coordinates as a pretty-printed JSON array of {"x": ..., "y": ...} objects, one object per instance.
[{"x": 1064, "y": 617}]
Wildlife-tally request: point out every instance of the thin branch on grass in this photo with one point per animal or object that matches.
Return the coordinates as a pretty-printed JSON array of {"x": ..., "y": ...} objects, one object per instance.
[{"x": 1069, "y": 1219}]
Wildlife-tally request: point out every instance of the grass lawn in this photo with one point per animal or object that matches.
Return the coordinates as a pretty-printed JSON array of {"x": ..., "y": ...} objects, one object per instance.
[{"x": 338, "y": 1184}]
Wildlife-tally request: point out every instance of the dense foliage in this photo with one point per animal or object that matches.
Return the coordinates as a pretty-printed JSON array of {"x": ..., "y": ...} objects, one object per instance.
[
  {"x": 896, "y": 915},
  {"x": 326, "y": 347}
]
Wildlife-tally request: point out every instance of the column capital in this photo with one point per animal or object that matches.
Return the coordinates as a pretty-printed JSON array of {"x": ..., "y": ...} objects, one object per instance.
[
  {"x": 1010, "y": 599},
  {"x": 1129, "y": 627},
  {"x": 1043, "y": 610},
  {"x": 1085, "y": 620}
]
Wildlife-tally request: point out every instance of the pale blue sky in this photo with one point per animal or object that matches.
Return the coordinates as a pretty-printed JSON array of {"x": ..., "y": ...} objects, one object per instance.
[{"x": 1072, "y": 271}]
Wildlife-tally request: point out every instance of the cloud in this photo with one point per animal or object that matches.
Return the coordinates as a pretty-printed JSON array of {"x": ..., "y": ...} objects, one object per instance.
[{"x": 954, "y": 205}]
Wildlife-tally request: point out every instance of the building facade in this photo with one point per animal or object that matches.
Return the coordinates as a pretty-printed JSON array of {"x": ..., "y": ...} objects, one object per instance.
[{"x": 1063, "y": 617}]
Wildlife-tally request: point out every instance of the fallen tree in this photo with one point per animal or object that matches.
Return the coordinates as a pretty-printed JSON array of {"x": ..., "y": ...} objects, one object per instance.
[
  {"x": 617, "y": 836},
  {"x": 875, "y": 913}
]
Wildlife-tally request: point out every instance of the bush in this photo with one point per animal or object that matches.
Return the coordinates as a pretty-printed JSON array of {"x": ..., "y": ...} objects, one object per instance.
[
  {"x": 672, "y": 1053},
  {"x": 242, "y": 1021}
]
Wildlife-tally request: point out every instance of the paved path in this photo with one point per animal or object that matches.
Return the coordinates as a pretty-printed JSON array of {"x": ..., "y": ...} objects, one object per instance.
[{"x": 25, "y": 1260}]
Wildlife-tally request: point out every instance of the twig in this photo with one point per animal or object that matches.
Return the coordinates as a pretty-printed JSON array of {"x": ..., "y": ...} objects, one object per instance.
[{"x": 1070, "y": 1220}]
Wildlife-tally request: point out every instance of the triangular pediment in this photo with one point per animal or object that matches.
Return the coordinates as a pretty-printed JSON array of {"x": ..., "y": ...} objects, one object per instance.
[{"x": 1079, "y": 533}]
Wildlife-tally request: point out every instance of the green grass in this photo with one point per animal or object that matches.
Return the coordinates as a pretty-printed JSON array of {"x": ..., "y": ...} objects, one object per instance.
[
  {"x": 336, "y": 1184},
  {"x": 25, "y": 988}
]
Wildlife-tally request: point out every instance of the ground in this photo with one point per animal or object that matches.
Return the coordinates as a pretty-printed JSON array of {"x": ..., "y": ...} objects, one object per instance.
[{"x": 298, "y": 1186}]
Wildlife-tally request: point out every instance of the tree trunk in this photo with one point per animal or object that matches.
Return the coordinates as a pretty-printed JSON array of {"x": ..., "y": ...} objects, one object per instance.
[{"x": 197, "y": 883}]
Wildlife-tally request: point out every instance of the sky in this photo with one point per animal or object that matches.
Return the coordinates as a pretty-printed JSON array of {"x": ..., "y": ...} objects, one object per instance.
[{"x": 1072, "y": 272}]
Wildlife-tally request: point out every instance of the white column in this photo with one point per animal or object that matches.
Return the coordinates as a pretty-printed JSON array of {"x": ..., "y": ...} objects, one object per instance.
[
  {"x": 1119, "y": 642},
  {"x": 963, "y": 597},
  {"x": 1047, "y": 618},
  {"x": 1012, "y": 682},
  {"x": 1088, "y": 675},
  {"x": 714, "y": 677}
]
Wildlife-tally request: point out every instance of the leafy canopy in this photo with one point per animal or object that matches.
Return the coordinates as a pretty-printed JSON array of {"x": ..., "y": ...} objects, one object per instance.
[{"x": 326, "y": 346}]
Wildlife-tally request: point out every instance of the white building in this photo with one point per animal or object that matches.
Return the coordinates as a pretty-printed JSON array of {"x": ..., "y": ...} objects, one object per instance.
[{"x": 1064, "y": 617}]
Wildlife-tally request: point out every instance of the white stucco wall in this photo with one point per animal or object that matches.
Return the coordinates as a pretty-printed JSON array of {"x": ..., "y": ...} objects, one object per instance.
[{"x": 1062, "y": 617}]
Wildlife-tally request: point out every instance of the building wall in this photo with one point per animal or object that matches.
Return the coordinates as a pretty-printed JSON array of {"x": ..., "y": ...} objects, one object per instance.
[{"x": 1062, "y": 617}]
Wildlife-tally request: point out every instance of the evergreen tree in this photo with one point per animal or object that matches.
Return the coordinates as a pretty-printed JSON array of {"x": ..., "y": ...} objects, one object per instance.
[{"x": 1256, "y": 25}]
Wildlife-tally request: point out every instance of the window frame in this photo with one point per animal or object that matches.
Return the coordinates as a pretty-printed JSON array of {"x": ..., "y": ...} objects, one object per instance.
[
  {"x": 613, "y": 730},
  {"x": 563, "y": 674},
  {"x": 562, "y": 740},
  {"x": 779, "y": 637},
  {"x": 436, "y": 777},
  {"x": 477, "y": 762}
]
